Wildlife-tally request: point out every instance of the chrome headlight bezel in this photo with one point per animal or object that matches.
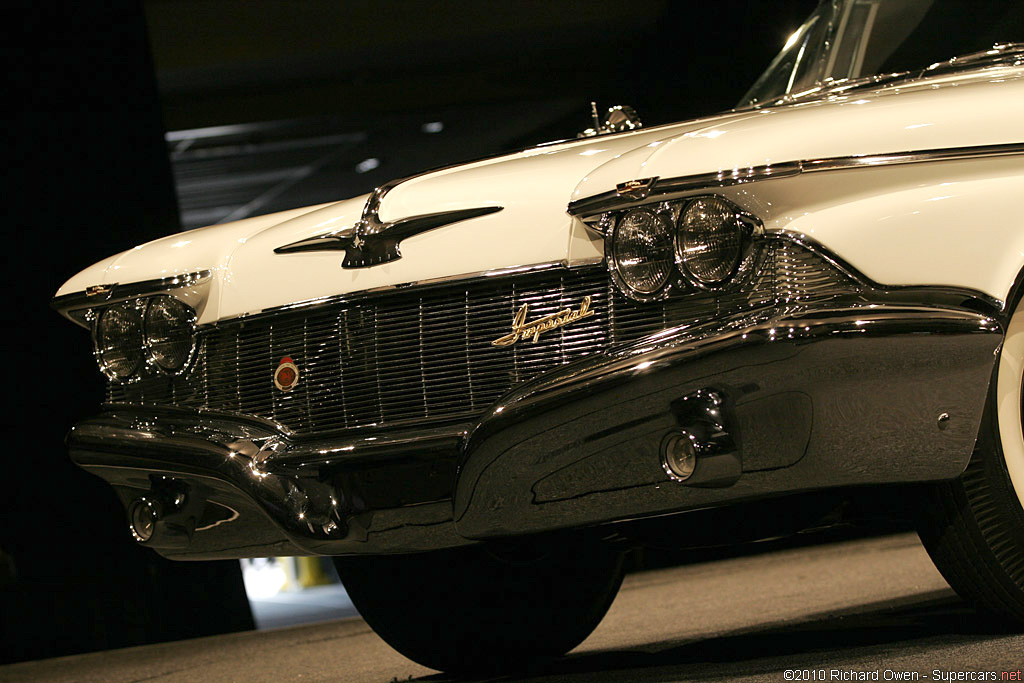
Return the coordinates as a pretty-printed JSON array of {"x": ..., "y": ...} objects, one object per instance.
[
  {"x": 187, "y": 322},
  {"x": 622, "y": 281},
  {"x": 746, "y": 227},
  {"x": 133, "y": 348},
  {"x": 749, "y": 231},
  {"x": 141, "y": 349}
]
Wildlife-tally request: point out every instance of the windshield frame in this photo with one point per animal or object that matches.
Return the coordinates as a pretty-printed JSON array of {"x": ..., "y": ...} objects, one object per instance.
[
  {"x": 828, "y": 52},
  {"x": 803, "y": 45}
]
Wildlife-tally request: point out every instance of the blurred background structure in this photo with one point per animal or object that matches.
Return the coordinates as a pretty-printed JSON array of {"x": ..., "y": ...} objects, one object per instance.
[
  {"x": 272, "y": 105},
  {"x": 131, "y": 120}
]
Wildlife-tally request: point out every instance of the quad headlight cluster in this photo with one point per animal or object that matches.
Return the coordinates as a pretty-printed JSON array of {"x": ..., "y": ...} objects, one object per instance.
[
  {"x": 703, "y": 241},
  {"x": 152, "y": 334}
]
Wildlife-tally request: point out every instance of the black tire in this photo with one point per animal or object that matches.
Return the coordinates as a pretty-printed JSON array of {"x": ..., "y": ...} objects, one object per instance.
[
  {"x": 973, "y": 527},
  {"x": 482, "y": 609}
]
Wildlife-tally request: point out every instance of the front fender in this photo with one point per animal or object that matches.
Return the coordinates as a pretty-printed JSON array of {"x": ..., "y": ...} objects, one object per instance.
[{"x": 812, "y": 398}]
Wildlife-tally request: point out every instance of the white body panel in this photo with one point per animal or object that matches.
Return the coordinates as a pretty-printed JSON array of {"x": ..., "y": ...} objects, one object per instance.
[
  {"x": 533, "y": 187},
  {"x": 940, "y": 223}
]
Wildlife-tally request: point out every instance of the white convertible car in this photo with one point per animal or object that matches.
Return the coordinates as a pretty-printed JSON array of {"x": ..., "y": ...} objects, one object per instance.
[{"x": 478, "y": 386}]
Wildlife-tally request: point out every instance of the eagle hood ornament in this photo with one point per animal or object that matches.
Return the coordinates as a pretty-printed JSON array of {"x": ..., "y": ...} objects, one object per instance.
[{"x": 371, "y": 242}]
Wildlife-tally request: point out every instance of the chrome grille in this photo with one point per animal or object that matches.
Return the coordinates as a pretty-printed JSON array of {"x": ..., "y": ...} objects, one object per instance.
[{"x": 425, "y": 354}]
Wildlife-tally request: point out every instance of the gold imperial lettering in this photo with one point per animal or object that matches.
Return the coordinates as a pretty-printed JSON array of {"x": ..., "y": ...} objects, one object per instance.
[{"x": 533, "y": 329}]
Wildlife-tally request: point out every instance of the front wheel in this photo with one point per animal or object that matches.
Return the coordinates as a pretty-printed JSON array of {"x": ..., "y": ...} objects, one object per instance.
[
  {"x": 484, "y": 608},
  {"x": 973, "y": 527}
]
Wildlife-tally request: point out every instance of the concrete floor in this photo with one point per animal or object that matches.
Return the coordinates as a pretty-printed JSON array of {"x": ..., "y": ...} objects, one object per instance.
[
  {"x": 867, "y": 605},
  {"x": 310, "y": 605}
]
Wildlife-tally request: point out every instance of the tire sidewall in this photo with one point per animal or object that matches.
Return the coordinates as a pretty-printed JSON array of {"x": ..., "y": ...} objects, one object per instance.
[
  {"x": 475, "y": 609},
  {"x": 1009, "y": 377}
]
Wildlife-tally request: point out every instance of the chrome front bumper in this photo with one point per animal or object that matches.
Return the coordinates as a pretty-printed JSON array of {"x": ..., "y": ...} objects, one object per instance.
[{"x": 807, "y": 398}]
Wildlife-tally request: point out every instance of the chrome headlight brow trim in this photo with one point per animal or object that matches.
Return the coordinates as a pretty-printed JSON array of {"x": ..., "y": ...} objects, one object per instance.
[
  {"x": 664, "y": 188},
  {"x": 104, "y": 295}
]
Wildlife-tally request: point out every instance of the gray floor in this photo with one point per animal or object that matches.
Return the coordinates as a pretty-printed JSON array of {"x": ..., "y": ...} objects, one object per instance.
[
  {"x": 867, "y": 605},
  {"x": 310, "y": 605}
]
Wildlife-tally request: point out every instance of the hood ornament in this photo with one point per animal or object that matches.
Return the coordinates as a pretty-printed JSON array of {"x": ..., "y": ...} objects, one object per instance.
[
  {"x": 617, "y": 119},
  {"x": 370, "y": 241}
]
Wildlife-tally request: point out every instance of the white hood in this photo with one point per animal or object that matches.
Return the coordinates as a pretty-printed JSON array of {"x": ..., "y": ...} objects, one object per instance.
[
  {"x": 534, "y": 187},
  {"x": 971, "y": 109}
]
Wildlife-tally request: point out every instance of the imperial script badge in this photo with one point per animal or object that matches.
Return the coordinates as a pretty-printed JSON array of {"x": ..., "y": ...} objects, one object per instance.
[{"x": 533, "y": 329}]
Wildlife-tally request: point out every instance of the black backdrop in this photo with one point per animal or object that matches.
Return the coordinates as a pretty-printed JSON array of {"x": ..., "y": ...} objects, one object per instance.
[{"x": 87, "y": 175}]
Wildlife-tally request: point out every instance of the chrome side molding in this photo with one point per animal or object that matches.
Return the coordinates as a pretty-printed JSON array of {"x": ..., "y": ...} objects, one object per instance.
[{"x": 665, "y": 188}]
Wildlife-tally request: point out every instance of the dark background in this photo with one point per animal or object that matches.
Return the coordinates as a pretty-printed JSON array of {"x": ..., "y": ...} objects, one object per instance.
[{"x": 92, "y": 90}]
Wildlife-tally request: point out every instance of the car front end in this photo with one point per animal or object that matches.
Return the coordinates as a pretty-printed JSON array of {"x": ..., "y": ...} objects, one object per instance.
[{"x": 806, "y": 293}]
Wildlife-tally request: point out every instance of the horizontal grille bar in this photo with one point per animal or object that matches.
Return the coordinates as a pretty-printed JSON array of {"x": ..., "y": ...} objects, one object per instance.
[{"x": 425, "y": 355}]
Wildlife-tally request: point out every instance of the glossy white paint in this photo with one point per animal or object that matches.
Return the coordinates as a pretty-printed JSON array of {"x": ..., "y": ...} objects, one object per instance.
[
  {"x": 532, "y": 186},
  {"x": 978, "y": 109},
  {"x": 954, "y": 223},
  {"x": 883, "y": 221},
  {"x": 207, "y": 248},
  {"x": 948, "y": 223},
  {"x": 1008, "y": 400}
]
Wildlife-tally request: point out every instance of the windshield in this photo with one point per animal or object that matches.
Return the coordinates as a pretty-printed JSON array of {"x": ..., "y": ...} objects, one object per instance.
[{"x": 855, "y": 38}]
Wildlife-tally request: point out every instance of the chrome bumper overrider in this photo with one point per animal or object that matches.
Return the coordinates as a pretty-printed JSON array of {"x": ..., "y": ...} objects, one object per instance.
[{"x": 799, "y": 399}]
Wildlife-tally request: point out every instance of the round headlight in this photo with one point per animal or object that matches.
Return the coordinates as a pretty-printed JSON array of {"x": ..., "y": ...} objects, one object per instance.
[
  {"x": 642, "y": 251},
  {"x": 709, "y": 241},
  {"x": 169, "y": 332},
  {"x": 118, "y": 341}
]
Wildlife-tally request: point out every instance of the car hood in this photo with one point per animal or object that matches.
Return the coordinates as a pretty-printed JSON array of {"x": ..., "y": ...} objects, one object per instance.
[
  {"x": 927, "y": 114},
  {"x": 532, "y": 187},
  {"x": 535, "y": 186}
]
